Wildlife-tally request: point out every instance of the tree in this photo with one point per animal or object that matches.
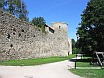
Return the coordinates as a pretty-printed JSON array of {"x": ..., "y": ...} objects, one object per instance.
[
  {"x": 39, "y": 22},
  {"x": 1, "y": 4},
  {"x": 73, "y": 47},
  {"x": 73, "y": 43},
  {"x": 91, "y": 31},
  {"x": 24, "y": 13},
  {"x": 17, "y": 8}
]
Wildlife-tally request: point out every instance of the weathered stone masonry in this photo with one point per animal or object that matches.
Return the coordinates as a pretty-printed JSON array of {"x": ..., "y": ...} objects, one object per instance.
[{"x": 21, "y": 40}]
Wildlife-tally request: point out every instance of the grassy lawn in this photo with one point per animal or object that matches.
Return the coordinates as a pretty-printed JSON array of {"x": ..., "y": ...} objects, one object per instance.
[
  {"x": 89, "y": 73},
  {"x": 39, "y": 61},
  {"x": 85, "y": 62}
]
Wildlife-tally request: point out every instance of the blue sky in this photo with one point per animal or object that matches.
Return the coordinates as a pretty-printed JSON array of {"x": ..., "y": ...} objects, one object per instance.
[{"x": 68, "y": 11}]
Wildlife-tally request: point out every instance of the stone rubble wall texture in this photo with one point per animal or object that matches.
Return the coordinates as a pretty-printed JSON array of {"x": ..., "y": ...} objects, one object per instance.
[{"x": 22, "y": 40}]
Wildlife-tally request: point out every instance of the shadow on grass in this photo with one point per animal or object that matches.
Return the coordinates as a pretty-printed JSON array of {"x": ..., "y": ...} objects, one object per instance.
[
  {"x": 80, "y": 60},
  {"x": 83, "y": 60},
  {"x": 73, "y": 60}
]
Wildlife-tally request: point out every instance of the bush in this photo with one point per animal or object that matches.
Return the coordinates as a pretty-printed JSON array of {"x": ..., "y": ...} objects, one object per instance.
[{"x": 76, "y": 51}]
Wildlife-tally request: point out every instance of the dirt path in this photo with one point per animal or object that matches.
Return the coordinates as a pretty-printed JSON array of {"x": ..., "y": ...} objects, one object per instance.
[{"x": 52, "y": 70}]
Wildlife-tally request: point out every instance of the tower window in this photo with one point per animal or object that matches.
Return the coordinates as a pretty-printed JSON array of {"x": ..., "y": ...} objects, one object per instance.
[{"x": 59, "y": 27}]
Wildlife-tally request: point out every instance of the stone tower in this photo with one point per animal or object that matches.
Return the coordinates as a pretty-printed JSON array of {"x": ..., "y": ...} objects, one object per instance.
[{"x": 60, "y": 36}]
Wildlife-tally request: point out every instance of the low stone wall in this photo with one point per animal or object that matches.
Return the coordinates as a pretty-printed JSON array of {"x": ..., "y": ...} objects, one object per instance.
[{"x": 21, "y": 40}]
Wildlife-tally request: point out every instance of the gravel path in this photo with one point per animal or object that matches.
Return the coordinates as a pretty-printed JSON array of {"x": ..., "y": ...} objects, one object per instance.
[{"x": 52, "y": 70}]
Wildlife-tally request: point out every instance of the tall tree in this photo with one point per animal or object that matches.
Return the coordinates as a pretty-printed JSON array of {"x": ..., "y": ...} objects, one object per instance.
[
  {"x": 73, "y": 43},
  {"x": 39, "y": 22},
  {"x": 1, "y": 1},
  {"x": 17, "y": 8},
  {"x": 1, "y": 4},
  {"x": 91, "y": 31},
  {"x": 74, "y": 49},
  {"x": 24, "y": 12}
]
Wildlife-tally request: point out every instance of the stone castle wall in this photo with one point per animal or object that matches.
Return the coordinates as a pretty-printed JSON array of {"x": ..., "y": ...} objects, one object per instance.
[{"x": 21, "y": 40}]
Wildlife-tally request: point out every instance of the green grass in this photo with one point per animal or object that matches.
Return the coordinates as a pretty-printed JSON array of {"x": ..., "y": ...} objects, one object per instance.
[
  {"x": 89, "y": 73},
  {"x": 71, "y": 56},
  {"x": 38, "y": 61},
  {"x": 85, "y": 62}
]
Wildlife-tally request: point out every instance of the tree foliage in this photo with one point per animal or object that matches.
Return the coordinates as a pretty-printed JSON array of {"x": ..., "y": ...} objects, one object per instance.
[
  {"x": 39, "y": 22},
  {"x": 91, "y": 30},
  {"x": 1, "y": 3},
  {"x": 15, "y": 7},
  {"x": 24, "y": 12},
  {"x": 73, "y": 43},
  {"x": 75, "y": 50}
]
